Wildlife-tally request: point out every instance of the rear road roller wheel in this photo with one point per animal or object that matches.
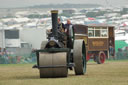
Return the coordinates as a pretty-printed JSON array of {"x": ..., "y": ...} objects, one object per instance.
[
  {"x": 79, "y": 56},
  {"x": 53, "y": 59},
  {"x": 101, "y": 57}
]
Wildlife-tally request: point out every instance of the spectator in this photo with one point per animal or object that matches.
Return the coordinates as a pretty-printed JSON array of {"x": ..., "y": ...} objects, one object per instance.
[
  {"x": 111, "y": 49},
  {"x": 33, "y": 55},
  {"x": 6, "y": 61},
  {"x": 1, "y": 59}
]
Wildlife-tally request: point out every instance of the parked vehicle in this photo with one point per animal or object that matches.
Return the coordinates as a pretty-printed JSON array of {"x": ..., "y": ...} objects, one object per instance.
[{"x": 99, "y": 41}]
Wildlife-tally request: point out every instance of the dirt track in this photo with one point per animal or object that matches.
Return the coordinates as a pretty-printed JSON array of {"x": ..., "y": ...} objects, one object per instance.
[{"x": 110, "y": 73}]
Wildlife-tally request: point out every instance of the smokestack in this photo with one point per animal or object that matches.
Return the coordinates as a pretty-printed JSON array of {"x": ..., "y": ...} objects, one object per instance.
[{"x": 54, "y": 14}]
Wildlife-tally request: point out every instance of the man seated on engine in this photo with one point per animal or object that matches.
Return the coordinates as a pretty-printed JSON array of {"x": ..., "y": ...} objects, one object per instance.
[{"x": 61, "y": 26}]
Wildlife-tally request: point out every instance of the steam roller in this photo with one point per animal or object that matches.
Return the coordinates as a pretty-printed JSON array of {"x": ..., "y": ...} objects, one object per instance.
[{"x": 60, "y": 52}]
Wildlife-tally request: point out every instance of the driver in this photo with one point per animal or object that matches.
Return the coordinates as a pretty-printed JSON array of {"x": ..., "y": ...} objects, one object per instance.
[{"x": 61, "y": 26}]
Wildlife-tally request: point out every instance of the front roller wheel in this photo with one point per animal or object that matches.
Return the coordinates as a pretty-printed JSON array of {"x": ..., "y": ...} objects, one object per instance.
[
  {"x": 50, "y": 60},
  {"x": 79, "y": 56}
]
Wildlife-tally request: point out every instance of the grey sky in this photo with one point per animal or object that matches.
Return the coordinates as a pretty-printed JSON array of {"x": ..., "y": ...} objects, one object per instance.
[{"x": 22, "y": 3}]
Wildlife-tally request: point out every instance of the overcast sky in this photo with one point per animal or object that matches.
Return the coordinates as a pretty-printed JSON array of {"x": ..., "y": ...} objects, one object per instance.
[{"x": 22, "y": 3}]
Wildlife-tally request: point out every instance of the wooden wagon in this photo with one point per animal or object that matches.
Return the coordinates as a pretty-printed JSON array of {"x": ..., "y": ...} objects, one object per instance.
[{"x": 99, "y": 41}]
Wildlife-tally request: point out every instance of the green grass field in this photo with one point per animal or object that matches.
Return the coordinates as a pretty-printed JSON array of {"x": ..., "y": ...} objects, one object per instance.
[{"x": 110, "y": 73}]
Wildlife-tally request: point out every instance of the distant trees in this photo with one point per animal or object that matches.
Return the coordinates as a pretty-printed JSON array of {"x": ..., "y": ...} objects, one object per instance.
[
  {"x": 94, "y": 14},
  {"x": 66, "y": 14},
  {"x": 37, "y": 16},
  {"x": 8, "y": 16},
  {"x": 124, "y": 11},
  {"x": 66, "y": 6}
]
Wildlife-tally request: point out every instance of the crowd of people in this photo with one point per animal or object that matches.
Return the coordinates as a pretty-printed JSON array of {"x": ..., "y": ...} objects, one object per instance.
[{"x": 6, "y": 58}]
